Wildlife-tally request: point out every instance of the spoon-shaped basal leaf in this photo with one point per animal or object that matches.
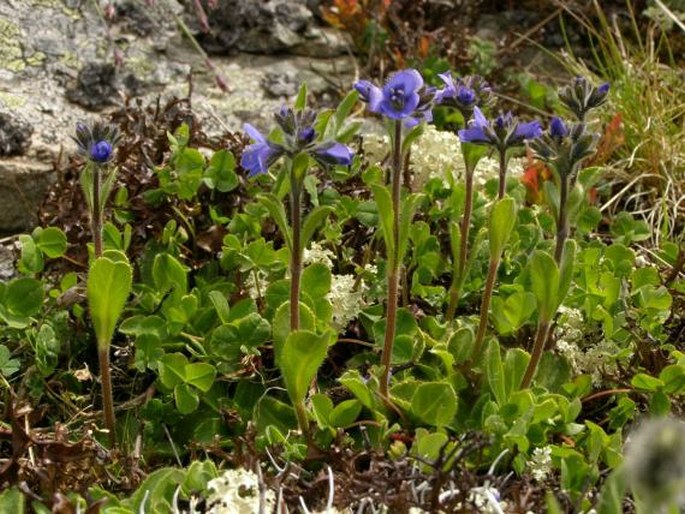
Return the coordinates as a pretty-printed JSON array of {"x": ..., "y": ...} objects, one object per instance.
[
  {"x": 502, "y": 220},
  {"x": 109, "y": 284},
  {"x": 302, "y": 355}
]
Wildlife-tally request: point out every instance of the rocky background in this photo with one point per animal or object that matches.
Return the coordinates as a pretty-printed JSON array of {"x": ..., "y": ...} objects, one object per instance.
[{"x": 67, "y": 60}]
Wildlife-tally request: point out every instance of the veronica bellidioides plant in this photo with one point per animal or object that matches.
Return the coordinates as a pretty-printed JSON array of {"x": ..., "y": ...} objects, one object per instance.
[
  {"x": 109, "y": 276},
  {"x": 563, "y": 147},
  {"x": 303, "y": 351},
  {"x": 463, "y": 94},
  {"x": 503, "y": 134},
  {"x": 403, "y": 101}
]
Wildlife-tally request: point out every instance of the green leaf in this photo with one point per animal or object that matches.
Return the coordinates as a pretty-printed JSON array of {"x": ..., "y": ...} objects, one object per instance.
[
  {"x": 220, "y": 303},
  {"x": 312, "y": 221},
  {"x": 108, "y": 287},
  {"x": 31, "y": 261},
  {"x": 200, "y": 375},
  {"x": 385, "y": 213},
  {"x": 24, "y": 296},
  {"x": 220, "y": 174},
  {"x": 186, "y": 399},
  {"x": 412, "y": 136},
  {"x": 281, "y": 324},
  {"x": 8, "y": 366},
  {"x": 407, "y": 210},
  {"x": 168, "y": 273},
  {"x": 156, "y": 492},
  {"x": 494, "y": 372},
  {"x": 646, "y": 382},
  {"x": 472, "y": 154},
  {"x": 302, "y": 355},
  {"x": 509, "y": 315},
  {"x": 277, "y": 212},
  {"x": 502, "y": 220},
  {"x": 544, "y": 276},
  {"x": 12, "y": 500},
  {"x": 566, "y": 270},
  {"x": 345, "y": 413},
  {"x": 172, "y": 369},
  {"x": 612, "y": 493},
  {"x": 316, "y": 281},
  {"x": 345, "y": 107},
  {"x": 322, "y": 406},
  {"x": 434, "y": 403},
  {"x": 301, "y": 100},
  {"x": 52, "y": 241}
]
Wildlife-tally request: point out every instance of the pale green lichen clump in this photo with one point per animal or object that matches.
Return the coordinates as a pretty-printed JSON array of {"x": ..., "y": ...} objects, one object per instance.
[{"x": 237, "y": 491}]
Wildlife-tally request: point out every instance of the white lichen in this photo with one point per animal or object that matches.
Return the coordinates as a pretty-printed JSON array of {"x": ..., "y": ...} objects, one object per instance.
[
  {"x": 540, "y": 464},
  {"x": 237, "y": 491}
]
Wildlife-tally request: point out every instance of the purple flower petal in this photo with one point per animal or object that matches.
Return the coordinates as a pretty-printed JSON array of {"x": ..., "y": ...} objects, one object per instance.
[
  {"x": 410, "y": 81},
  {"x": 529, "y": 130},
  {"x": 254, "y": 133},
  {"x": 101, "y": 151},
  {"x": 557, "y": 128},
  {"x": 479, "y": 119},
  {"x": 334, "y": 153},
  {"x": 604, "y": 88},
  {"x": 473, "y": 134},
  {"x": 369, "y": 94}
]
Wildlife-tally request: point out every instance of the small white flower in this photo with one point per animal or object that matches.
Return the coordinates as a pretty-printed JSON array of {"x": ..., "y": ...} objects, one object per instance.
[
  {"x": 540, "y": 465},
  {"x": 236, "y": 491}
]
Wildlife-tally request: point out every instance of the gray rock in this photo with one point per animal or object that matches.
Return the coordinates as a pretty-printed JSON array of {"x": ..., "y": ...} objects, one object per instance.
[
  {"x": 15, "y": 134},
  {"x": 280, "y": 85},
  {"x": 23, "y": 183},
  {"x": 94, "y": 86}
]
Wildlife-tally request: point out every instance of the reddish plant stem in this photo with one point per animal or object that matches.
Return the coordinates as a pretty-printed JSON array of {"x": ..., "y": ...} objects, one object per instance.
[
  {"x": 296, "y": 257},
  {"x": 538, "y": 346},
  {"x": 107, "y": 396},
  {"x": 485, "y": 307},
  {"x": 394, "y": 261},
  {"x": 96, "y": 218},
  {"x": 465, "y": 225}
]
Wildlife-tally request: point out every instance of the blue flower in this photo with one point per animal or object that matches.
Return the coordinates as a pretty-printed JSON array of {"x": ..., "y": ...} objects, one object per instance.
[
  {"x": 463, "y": 93},
  {"x": 505, "y": 132},
  {"x": 101, "y": 152},
  {"x": 403, "y": 97},
  {"x": 557, "y": 128},
  {"x": 333, "y": 154},
  {"x": 259, "y": 156},
  {"x": 96, "y": 142},
  {"x": 299, "y": 136},
  {"x": 581, "y": 96}
]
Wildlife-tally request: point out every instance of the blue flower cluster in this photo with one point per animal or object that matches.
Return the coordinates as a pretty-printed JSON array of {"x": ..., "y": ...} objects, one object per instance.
[
  {"x": 299, "y": 136},
  {"x": 96, "y": 142}
]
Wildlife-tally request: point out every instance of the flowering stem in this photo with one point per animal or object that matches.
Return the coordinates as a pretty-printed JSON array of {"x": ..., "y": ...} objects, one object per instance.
[
  {"x": 296, "y": 253},
  {"x": 96, "y": 215},
  {"x": 458, "y": 274},
  {"x": 485, "y": 306},
  {"x": 107, "y": 396},
  {"x": 562, "y": 220},
  {"x": 103, "y": 351},
  {"x": 393, "y": 260},
  {"x": 538, "y": 345},
  {"x": 502, "y": 173}
]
